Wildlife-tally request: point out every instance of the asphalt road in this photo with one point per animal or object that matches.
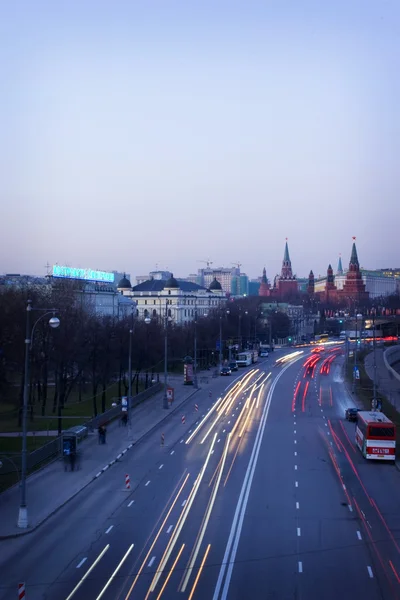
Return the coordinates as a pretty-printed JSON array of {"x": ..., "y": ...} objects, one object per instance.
[{"x": 265, "y": 497}]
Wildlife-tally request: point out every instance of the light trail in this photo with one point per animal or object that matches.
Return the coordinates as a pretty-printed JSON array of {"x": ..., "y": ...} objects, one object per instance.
[
  {"x": 200, "y": 571},
  {"x": 98, "y": 559},
  {"x": 156, "y": 538},
  {"x": 206, "y": 519},
  {"x": 181, "y": 521},
  {"x": 170, "y": 572},
  {"x": 115, "y": 572}
]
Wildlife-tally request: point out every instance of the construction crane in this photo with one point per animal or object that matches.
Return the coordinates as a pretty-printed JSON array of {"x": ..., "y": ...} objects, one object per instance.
[
  {"x": 237, "y": 264},
  {"x": 207, "y": 262}
]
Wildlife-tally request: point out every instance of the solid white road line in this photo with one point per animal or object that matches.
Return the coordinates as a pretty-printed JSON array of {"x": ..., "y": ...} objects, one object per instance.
[
  {"x": 146, "y": 484},
  {"x": 300, "y": 566},
  {"x": 109, "y": 529},
  {"x": 130, "y": 503},
  {"x": 370, "y": 573},
  {"x": 359, "y": 535},
  {"x": 151, "y": 561},
  {"x": 169, "y": 529},
  {"x": 78, "y": 566}
]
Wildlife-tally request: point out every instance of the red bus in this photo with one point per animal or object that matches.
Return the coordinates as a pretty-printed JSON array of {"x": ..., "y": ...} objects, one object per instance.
[{"x": 376, "y": 435}]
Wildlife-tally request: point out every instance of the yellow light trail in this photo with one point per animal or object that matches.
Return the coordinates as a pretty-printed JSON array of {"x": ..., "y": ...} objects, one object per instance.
[
  {"x": 220, "y": 414},
  {"x": 171, "y": 571},
  {"x": 259, "y": 394},
  {"x": 181, "y": 522},
  {"x": 200, "y": 571},
  {"x": 156, "y": 538},
  {"x": 98, "y": 559},
  {"x": 248, "y": 417},
  {"x": 207, "y": 517}
]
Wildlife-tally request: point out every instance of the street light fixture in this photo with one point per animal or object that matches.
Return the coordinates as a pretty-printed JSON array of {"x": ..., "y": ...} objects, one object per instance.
[
  {"x": 358, "y": 316},
  {"x": 54, "y": 322}
]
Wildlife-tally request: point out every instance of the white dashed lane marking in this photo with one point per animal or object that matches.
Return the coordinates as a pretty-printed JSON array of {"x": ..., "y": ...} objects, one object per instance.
[
  {"x": 130, "y": 503},
  {"x": 300, "y": 566},
  {"x": 169, "y": 529},
  {"x": 298, "y": 532},
  {"x": 161, "y": 466},
  {"x": 370, "y": 573},
  {"x": 172, "y": 452},
  {"x": 146, "y": 484},
  {"x": 297, "y": 505},
  {"x": 359, "y": 535},
  {"x": 151, "y": 561},
  {"x": 109, "y": 529},
  {"x": 78, "y": 566}
]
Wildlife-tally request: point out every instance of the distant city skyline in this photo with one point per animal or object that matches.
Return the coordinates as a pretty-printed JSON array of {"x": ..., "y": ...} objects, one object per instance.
[{"x": 167, "y": 133}]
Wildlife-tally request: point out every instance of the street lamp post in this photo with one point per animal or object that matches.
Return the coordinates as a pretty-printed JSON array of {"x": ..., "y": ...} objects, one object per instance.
[
  {"x": 165, "y": 397},
  {"x": 220, "y": 343},
  {"x": 195, "y": 349},
  {"x": 374, "y": 399},
  {"x": 54, "y": 322},
  {"x": 130, "y": 363},
  {"x": 358, "y": 316}
]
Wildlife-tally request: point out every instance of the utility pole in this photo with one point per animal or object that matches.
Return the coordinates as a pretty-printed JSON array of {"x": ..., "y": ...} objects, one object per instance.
[
  {"x": 374, "y": 399},
  {"x": 195, "y": 348}
]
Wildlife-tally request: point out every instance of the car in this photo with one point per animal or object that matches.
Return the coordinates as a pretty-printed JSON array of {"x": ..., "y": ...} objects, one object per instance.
[
  {"x": 233, "y": 366},
  {"x": 225, "y": 371},
  {"x": 264, "y": 354},
  {"x": 351, "y": 414}
]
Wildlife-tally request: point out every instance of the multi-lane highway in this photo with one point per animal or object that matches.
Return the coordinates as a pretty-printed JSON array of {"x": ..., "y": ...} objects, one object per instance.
[{"x": 261, "y": 494}]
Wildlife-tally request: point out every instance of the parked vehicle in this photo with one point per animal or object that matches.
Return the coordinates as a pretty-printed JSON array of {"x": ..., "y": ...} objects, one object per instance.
[{"x": 225, "y": 371}]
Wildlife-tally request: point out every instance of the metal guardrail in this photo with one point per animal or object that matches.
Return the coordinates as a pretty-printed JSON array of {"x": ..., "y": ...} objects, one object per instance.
[
  {"x": 390, "y": 356},
  {"x": 53, "y": 448},
  {"x": 115, "y": 411}
]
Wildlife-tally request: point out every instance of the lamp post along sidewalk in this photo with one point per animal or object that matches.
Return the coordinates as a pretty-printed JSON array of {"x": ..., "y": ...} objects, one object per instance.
[
  {"x": 167, "y": 320},
  {"x": 54, "y": 322},
  {"x": 195, "y": 350}
]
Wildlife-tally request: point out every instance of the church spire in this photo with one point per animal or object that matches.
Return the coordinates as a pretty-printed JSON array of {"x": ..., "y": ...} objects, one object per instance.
[
  {"x": 286, "y": 257},
  {"x": 340, "y": 266}
]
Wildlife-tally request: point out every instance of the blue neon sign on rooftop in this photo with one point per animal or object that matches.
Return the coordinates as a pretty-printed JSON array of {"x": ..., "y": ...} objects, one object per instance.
[{"x": 86, "y": 274}]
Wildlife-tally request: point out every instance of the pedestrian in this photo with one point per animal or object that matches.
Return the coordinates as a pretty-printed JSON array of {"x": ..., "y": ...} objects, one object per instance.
[
  {"x": 125, "y": 419},
  {"x": 72, "y": 458}
]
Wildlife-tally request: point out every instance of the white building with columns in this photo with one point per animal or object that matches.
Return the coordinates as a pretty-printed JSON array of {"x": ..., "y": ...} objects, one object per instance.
[{"x": 180, "y": 300}]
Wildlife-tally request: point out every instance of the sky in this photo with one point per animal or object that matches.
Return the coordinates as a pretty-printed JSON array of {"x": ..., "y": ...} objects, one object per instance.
[{"x": 149, "y": 134}]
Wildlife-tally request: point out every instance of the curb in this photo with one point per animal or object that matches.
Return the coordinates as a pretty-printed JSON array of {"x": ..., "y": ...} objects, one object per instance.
[{"x": 105, "y": 468}]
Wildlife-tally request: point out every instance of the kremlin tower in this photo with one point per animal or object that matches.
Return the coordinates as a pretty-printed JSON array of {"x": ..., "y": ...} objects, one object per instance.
[
  {"x": 311, "y": 285},
  {"x": 264, "y": 287},
  {"x": 354, "y": 287},
  {"x": 286, "y": 285}
]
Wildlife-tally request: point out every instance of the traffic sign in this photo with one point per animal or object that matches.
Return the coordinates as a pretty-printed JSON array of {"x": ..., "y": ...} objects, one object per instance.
[
  {"x": 124, "y": 401},
  {"x": 170, "y": 394}
]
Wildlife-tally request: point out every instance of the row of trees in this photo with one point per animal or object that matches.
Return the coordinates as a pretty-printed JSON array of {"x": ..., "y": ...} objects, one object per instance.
[{"x": 89, "y": 353}]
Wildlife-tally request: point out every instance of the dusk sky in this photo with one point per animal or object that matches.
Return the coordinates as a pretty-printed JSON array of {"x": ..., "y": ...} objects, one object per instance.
[{"x": 158, "y": 132}]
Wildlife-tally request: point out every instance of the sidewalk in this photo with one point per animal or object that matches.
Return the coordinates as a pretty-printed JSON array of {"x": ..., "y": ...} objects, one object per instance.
[
  {"x": 387, "y": 385},
  {"x": 52, "y": 487}
]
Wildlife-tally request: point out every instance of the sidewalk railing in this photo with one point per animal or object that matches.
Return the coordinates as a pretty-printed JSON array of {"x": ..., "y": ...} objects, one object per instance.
[{"x": 52, "y": 449}]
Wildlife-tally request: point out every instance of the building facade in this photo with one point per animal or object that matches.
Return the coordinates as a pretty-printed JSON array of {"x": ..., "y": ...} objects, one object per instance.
[{"x": 180, "y": 300}]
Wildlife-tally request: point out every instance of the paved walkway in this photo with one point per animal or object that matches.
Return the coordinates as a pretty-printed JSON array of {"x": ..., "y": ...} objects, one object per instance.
[
  {"x": 386, "y": 384},
  {"x": 51, "y": 487}
]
